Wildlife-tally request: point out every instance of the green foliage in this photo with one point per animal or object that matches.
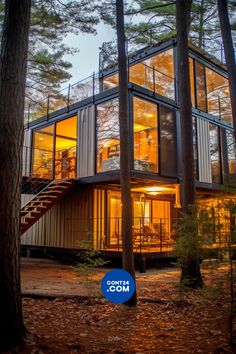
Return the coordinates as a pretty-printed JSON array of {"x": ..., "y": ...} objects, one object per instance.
[
  {"x": 157, "y": 22},
  {"x": 51, "y": 22},
  {"x": 90, "y": 260}
]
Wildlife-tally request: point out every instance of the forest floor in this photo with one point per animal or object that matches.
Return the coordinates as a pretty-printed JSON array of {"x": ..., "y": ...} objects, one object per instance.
[{"x": 178, "y": 322}]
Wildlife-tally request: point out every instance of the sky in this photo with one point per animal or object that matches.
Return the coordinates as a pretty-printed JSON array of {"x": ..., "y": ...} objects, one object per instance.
[{"x": 86, "y": 61}]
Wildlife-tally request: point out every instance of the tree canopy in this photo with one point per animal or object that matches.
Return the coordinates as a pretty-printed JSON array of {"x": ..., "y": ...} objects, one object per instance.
[{"x": 51, "y": 21}]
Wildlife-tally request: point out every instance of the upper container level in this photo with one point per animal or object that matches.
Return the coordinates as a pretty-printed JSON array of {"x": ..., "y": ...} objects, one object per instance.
[{"x": 81, "y": 137}]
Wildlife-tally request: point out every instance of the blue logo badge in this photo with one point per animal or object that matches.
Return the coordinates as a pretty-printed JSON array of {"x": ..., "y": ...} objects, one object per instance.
[{"x": 118, "y": 286}]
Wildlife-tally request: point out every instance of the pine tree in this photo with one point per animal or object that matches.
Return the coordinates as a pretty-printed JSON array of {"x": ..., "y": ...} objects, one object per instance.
[
  {"x": 51, "y": 21},
  {"x": 12, "y": 94},
  {"x": 127, "y": 242},
  {"x": 190, "y": 267},
  {"x": 158, "y": 23}
]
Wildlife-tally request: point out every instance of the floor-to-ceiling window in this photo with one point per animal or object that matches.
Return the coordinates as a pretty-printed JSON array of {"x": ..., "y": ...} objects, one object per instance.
[
  {"x": 43, "y": 147},
  {"x": 150, "y": 216},
  {"x": 108, "y": 136},
  {"x": 114, "y": 221},
  {"x": 145, "y": 135},
  {"x": 201, "y": 99},
  {"x": 231, "y": 156},
  {"x": 65, "y": 148},
  {"x": 168, "y": 144},
  {"x": 215, "y": 153},
  {"x": 155, "y": 73},
  {"x": 218, "y": 98},
  {"x": 210, "y": 91},
  {"x": 54, "y": 150}
]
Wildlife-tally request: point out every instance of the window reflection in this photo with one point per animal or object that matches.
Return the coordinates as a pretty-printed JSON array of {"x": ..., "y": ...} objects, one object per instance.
[
  {"x": 43, "y": 153},
  {"x": 168, "y": 142},
  {"x": 191, "y": 74},
  {"x": 195, "y": 153},
  {"x": 65, "y": 150},
  {"x": 215, "y": 153},
  {"x": 231, "y": 152},
  {"x": 218, "y": 98},
  {"x": 110, "y": 81},
  {"x": 200, "y": 86},
  {"x": 145, "y": 136},
  {"x": 156, "y": 73},
  {"x": 108, "y": 136}
]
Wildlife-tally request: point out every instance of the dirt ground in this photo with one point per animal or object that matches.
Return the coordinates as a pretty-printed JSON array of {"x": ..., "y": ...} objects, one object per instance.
[{"x": 199, "y": 324}]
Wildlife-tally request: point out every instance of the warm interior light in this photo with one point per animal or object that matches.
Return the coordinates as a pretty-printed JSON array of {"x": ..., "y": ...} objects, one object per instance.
[
  {"x": 155, "y": 189},
  {"x": 140, "y": 127}
]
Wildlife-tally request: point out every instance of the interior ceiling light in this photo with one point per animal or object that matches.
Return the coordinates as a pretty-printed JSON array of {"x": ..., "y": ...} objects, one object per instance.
[{"x": 155, "y": 189}]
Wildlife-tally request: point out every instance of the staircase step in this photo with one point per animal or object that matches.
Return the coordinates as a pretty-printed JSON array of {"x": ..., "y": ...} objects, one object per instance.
[
  {"x": 43, "y": 201},
  {"x": 61, "y": 182},
  {"x": 29, "y": 217},
  {"x": 51, "y": 191},
  {"x": 57, "y": 186},
  {"x": 46, "y": 196},
  {"x": 35, "y": 212},
  {"x": 24, "y": 212}
]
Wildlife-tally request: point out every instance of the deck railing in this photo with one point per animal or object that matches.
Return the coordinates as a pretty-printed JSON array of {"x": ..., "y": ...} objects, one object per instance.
[
  {"x": 88, "y": 87},
  {"x": 148, "y": 234}
]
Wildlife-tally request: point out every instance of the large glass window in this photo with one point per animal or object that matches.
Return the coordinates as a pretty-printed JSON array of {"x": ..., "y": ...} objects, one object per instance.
[
  {"x": 231, "y": 154},
  {"x": 145, "y": 136},
  {"x": 108, "y": 136},
  {"x": 192, "y": 81},
  {"x": 65, "y": 150},
  {"x": 168, "y": 142},
  {"x": 43, "y": 152},
  {"x": 156, "y": 73},
  {"x": 110, "y": 81},
  {"x": 218, "y": 98},
  {"x": 215, "y": 153},
  {"x": 195, "y": 153},
  {"x": 200, "y": 86}
]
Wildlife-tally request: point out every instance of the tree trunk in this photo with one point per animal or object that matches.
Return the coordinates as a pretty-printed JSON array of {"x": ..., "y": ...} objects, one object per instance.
[
  {"x": 229, "y": 54},
  {"x": 127, "y": 242},
  {"x": 14, "y": 45},
  {"x": 201, "y": 25},
  {"x": 191, "y": 268}
]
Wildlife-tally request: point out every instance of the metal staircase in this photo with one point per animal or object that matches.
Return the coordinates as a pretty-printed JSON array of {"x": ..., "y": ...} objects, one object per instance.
[{"x": 43, "y": 201}]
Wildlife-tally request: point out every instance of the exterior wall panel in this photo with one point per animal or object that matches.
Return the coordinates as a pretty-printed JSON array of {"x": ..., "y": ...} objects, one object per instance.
[
  {"x": 203, "y": 144},
  {"x": 26, "y": 153},
  {"x": 66, "y": 224},
  {"x": 87, "y": 140}
]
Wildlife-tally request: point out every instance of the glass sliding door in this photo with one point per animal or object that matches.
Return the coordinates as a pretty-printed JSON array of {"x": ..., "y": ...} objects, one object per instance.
[
  {"x": 65, "y": 148},
  {"x": 145, "y": 136},
  {"x": 43, "y": 142}
]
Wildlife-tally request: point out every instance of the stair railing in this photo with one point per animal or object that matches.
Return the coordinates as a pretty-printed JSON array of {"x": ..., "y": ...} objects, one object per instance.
[{"x": 35, "y": 182}]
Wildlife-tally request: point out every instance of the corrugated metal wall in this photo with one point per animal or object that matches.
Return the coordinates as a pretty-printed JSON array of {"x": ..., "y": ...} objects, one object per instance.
[
  {"x": 26, "y": 153},
  {"x": 66, "y": 224},
  {"x": 99, "y": 217},
  {"x": 204, "y": 159},
  {"x": 87, "y": 142}
]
